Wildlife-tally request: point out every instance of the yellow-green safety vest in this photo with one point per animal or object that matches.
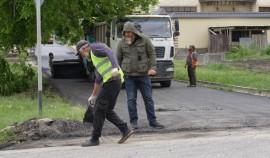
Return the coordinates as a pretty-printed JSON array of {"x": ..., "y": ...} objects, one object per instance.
[{"x": 104, "y": 67}]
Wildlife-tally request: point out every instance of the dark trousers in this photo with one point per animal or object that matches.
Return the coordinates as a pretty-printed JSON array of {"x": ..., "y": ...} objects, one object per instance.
[
  {"x": 105, "y": 103},
  {"x": 191, "y": 75},
  {"x": 143, "y": 83}
]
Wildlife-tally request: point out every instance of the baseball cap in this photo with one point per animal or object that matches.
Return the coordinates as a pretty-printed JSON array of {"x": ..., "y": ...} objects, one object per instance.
[{"x": 81, "y": 44}]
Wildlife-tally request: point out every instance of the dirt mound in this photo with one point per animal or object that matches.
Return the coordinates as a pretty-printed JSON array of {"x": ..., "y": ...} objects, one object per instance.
[{"x": 36, "y": 129}]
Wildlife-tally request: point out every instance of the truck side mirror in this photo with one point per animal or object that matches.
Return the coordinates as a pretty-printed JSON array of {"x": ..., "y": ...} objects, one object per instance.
[
  {"x": 108, "y": 34},
  {"x": 176, "y": 34},
  {"x": 51, "y": 55},
  {"x": 176, "y": 25}
]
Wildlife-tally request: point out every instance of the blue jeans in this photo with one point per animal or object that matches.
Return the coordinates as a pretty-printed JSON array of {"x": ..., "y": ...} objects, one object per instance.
[{"x": 142, "y": 83}]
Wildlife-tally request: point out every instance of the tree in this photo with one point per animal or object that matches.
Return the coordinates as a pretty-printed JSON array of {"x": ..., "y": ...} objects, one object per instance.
[{"x": 58, "y": 17}]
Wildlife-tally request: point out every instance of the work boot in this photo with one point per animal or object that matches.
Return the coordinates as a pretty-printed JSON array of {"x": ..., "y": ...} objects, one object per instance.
[
  {"x": 134, "y": 125},
  {"x": 93, "y": 142},
  {"x": 125, "y": 136},
  {"x": 155, "y": 124}
]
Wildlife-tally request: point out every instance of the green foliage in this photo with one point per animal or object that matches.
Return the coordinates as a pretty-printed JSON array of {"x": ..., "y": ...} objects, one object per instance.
[
  {"x": 245, "y": 53},
  {"x": 59, "y": 17},
  {"x": 266, "y": 51},
  {"x": 6, "y": 135},
  {"x": 14, "y": 78},
  {"x": 17, "y": 23},
  {"x": 242, "y": 53}
]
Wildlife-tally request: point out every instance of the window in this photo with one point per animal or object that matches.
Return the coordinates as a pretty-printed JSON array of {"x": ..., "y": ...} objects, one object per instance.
[
  {"x": 175, "y": 9},
  {"x": 264, "y": 9},
  {"x": 169, "y": 9},
  {"x": 187, "y": 9},
  {"x": 193, "y": 9},
  {"x": 238, "y": 34},
  {"x": 180, "y": 9},
  {"x": 152, "y": 27},
  {"x": 256, "y": 32}
]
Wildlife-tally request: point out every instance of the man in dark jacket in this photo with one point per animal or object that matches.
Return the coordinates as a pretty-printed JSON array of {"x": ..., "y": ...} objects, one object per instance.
[
  {"x": 191, "y": 67},
  {"x": 108, "y": 82},
  {"x": 137, "y": 57}
]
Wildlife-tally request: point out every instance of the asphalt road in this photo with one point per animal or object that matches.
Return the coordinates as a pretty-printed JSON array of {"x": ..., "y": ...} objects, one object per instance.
[
  {"x": 182, "y": 108},
  {"x": 179, "y": 107}
]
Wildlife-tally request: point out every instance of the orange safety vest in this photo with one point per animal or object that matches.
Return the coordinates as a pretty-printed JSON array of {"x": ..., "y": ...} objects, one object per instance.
[{"x": 194, "y": 63}]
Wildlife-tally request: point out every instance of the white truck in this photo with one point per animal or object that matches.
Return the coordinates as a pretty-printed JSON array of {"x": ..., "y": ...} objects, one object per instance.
[{"x": 159, "y": 28}]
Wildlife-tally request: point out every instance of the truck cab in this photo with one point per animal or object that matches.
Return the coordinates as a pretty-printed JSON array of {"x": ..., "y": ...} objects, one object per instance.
[{"x": 159, "y": 29}]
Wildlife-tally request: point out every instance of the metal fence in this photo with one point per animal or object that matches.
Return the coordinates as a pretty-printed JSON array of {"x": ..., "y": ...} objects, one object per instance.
[{"x": 258, "y": 41}]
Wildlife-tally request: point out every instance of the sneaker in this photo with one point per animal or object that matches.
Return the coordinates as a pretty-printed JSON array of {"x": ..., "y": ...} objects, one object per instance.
[
  {"x": 125, "y": 136},
  {"x": 90, "y": 143},
  {"x": 155, "y": 124},
  {"x": 134, "y": 125}
]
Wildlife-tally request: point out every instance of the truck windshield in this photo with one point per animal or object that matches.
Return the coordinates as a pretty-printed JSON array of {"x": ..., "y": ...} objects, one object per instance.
[{"x": 152, "y": 27}]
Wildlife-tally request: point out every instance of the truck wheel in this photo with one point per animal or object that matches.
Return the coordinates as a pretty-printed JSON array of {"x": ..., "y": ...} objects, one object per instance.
[{"x": 165, "y": 83}]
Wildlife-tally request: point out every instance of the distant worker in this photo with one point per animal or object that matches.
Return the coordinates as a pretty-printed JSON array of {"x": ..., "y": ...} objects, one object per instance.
[
  {"x": 137, "y": 57},
  {"x": 191, "y": 64},
  {"x": 108, "y": 82}
]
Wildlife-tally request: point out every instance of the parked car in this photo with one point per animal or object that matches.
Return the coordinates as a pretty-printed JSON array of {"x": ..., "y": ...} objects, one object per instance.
[{"x": 50, "y": 41}]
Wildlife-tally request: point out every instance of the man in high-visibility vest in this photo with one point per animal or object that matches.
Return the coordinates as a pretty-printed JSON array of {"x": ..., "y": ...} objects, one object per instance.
[{"x": 108, "y": 82}]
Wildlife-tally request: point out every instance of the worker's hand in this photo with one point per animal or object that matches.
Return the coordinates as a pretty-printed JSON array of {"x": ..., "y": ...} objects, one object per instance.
[
  {"x": 115, "y": 73},
  {"x": 92, "y": 100},
  {"x": 152, "y": 72}
]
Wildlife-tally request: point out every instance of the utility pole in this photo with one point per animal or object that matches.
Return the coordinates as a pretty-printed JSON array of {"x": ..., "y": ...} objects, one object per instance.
[{"x": 38, "y": 5}]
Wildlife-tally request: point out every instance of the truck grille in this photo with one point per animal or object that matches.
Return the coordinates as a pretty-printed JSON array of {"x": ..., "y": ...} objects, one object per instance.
[{"x": 160, "y": 51}]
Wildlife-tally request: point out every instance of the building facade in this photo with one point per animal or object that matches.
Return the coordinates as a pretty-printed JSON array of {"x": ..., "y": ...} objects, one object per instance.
[{"x": 216, "y": 25}]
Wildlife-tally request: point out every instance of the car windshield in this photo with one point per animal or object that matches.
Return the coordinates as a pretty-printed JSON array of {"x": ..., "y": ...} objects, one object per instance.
[{"x": 152, "y": 27}]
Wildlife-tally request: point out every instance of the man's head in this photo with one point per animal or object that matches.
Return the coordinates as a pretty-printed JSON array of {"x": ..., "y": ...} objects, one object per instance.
[
  {"x": 191, "y": 48},
  {"x": 83, "y": 48},
  {"x": 130, "y": 32}
]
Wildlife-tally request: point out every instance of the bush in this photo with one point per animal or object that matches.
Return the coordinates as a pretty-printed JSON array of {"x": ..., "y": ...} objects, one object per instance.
[
  {"x": 266, "y": 51},
  {"x": 242, "y": 53},
  {"x": 14, "y": 78}
]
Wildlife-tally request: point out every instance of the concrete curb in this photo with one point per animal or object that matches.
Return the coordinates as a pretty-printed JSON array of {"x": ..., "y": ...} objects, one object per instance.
[{"x": 233, "y": 88}]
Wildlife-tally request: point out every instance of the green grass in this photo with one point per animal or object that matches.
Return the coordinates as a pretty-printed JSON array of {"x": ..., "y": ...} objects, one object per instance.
[
  {"x": 21, "y": 107},
  {"x": 225, "y": 74}
]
